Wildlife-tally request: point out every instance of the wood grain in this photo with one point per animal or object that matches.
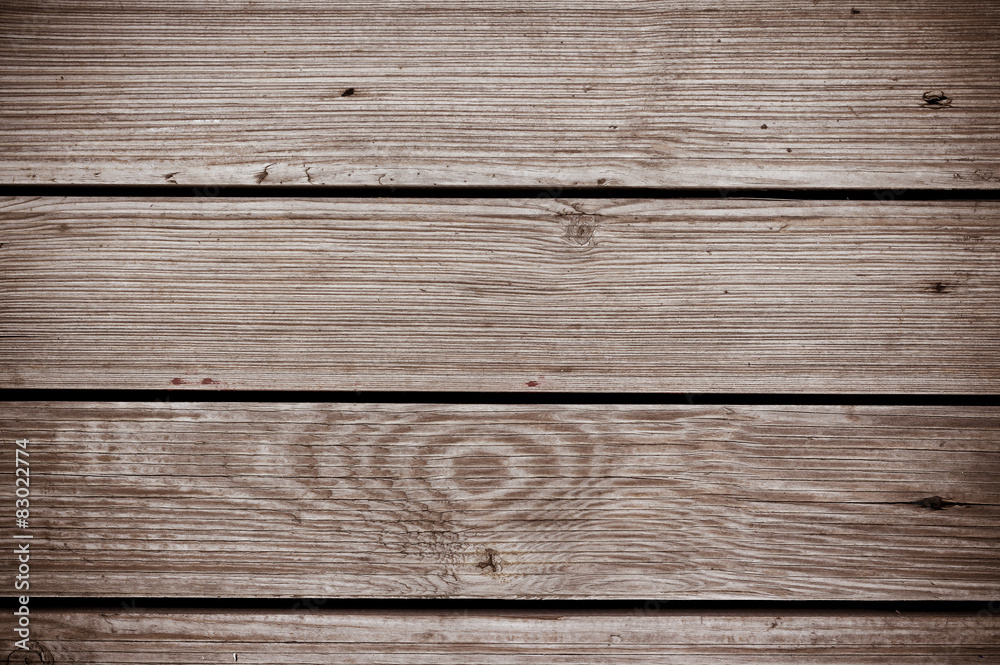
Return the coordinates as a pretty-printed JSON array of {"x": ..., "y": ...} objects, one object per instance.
[
  {"x": 667, "y": 93},
  {"x": 511, "y": 501},
  {"x": 504, "y": 638},
  {"x": 537, "y": 294}
]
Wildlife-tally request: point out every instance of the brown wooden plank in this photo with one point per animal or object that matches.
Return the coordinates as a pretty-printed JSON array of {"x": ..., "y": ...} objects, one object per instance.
[
  {"x": 510, "y": 501},
  {"x": 553, "y": 294},
  {"x": 663, "y": 636},
  {"x": 670, "y": 93}
]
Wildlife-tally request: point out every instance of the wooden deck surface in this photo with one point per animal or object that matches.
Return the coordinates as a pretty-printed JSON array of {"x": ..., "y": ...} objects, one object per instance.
[
  {"x": 494, "y": 294},
  {"x": 856, "y": 457},
  {"x": 514, "y": 501},
  {"x": 660, "y": 93},
  {"x": 650, "y": 634}
]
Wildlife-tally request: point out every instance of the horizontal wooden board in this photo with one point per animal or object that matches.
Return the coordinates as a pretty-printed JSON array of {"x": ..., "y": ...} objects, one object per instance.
[
  {"x": 510, "y": 501},
  {"x": 659, "y": 636},
  {"x": 668, "y": 93},
  {"x": 535, "y": 294}
]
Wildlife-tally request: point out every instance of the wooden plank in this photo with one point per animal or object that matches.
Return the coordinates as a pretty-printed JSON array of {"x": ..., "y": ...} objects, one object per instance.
[
  {"x": 536, "y": 294},
  {"x": 507, "y": 638},
  {"x": 669, "y": 93},
  {"x": 511, "y": 501}
]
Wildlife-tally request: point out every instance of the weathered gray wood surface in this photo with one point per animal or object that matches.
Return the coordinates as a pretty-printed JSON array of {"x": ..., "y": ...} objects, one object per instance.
[
  {"x": 663, "y": 637},
  {"x": 547, "y": 294},
  {"x": 505, "y": 501},
  {"x": 670, "y": 93}
]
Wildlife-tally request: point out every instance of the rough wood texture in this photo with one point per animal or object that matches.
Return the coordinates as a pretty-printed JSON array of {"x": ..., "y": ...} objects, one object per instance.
[
  {"x": 537, "y": 294},
  {"x": 503, "y": 638},
  {"x": 512, "y": 501},
  {"x": 702, "y": 93}
]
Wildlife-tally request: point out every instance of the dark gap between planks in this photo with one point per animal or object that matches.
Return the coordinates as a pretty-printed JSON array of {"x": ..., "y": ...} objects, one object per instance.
[
  {"x": 308, "y": 191},
  {"x": 437, "y": 397},
  {"x": 450, "y": 605}
]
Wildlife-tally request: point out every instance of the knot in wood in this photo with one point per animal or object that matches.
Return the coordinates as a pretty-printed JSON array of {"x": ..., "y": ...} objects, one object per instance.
[
  {"x": 932, "y": 503},
  {"x": 491, "y": 561},
  {"x": 581, "y": 231},
  {"x": 936, "y": 99}
]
